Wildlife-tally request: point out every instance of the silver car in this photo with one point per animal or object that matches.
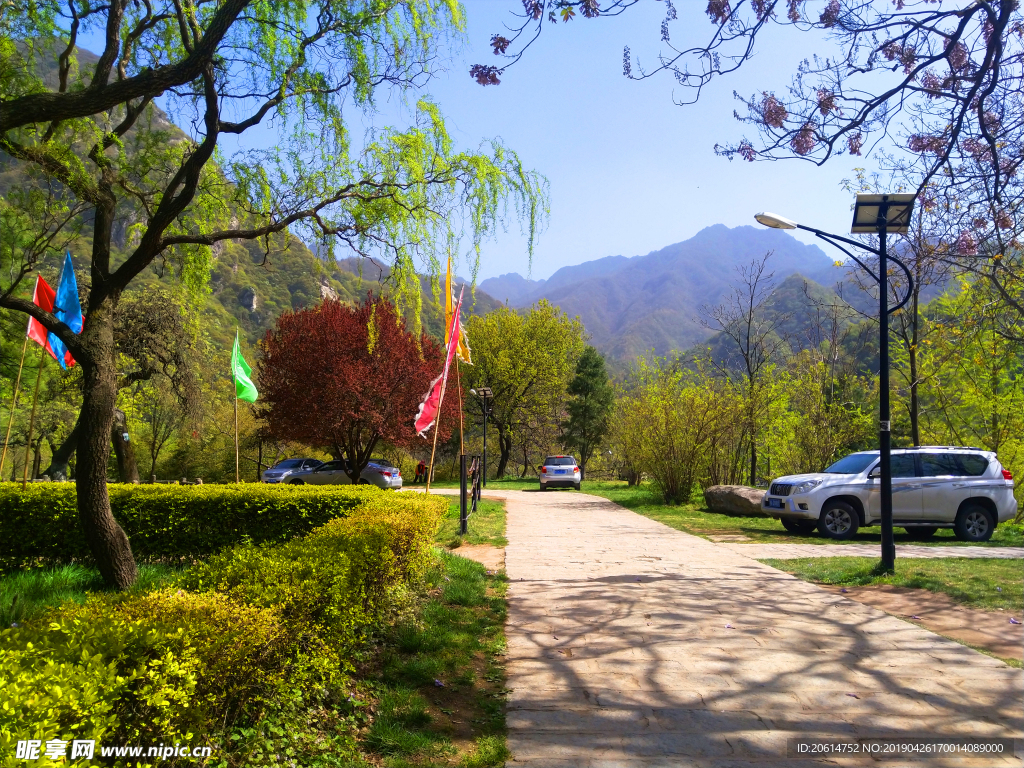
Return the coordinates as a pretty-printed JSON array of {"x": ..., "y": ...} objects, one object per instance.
[
  {"x": 559, "y": 472},
  {"x": 280, "y": 472},
  {"x": 377, "y": 472},
  {"x": 933, "y": 487}
]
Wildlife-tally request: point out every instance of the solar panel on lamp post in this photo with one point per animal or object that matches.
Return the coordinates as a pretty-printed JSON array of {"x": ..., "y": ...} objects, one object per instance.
[{"x": 879, "y": 214}]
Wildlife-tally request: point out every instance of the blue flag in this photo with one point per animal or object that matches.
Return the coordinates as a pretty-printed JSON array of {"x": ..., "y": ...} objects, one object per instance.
[{"x": 67, "y": 309}]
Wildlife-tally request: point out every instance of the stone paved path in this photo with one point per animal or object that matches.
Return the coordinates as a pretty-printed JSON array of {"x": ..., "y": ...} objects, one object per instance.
[
  {"x": 791, "y": 551},
  {"x": 634, "y": 645}
]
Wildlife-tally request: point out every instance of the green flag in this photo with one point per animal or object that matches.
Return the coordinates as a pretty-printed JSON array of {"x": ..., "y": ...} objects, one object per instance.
[{"x": 240, "y": 371}]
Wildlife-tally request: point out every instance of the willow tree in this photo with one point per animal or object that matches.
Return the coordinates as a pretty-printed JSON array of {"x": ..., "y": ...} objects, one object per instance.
[{"x": 84, "y": 137}]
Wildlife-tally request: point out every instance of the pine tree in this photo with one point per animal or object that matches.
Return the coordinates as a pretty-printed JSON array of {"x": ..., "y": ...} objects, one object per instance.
[{"x": 590, "y": 408}]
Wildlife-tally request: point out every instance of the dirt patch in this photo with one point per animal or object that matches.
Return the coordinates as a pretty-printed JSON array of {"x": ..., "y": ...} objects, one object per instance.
[
  {"x": 492, "y": 558},
  {"x": 990, "y": 630}
]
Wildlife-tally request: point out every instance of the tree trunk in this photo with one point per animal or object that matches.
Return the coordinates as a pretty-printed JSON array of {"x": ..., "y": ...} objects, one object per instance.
[
  {"x": 505, "y": 445},
  {"x": 753, "y": 462},
  {"x": 108, "y": 543},
  {"x": 127, "y": 468},
  {"x": 37, "y": 457}
]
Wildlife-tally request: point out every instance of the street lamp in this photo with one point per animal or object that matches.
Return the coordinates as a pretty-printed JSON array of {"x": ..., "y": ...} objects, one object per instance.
[
  {"x": 879, "y": 214},
  {"x": 486, "y": 398}
]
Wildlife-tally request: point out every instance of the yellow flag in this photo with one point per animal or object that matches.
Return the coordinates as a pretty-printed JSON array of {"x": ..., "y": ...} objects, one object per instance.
[{"x": 463, "y": 350}]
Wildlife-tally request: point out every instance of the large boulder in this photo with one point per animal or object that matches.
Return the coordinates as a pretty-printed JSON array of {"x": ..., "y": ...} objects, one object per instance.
[{"x": 734, "y": 500}]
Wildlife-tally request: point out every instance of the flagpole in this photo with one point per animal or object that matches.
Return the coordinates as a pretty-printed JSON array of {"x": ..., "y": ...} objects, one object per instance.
[
  {"x": 236, "y": 433},
  {"x": 462, "y": 436},
  {"x": 32, "y": 420},
  {"x": 14, "y": 403},
  {"x": 430, "y": 469}
]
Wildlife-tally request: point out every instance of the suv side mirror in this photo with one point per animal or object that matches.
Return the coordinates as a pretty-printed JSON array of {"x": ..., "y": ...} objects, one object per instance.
[{"x": 875, "y": 473}]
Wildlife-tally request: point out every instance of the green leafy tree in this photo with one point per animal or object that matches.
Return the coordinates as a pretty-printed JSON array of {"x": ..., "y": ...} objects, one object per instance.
[
  {"x": 83, "y": 132},
  {"x": 590, "y": 407},
  {"x": 528, "y": 360}
]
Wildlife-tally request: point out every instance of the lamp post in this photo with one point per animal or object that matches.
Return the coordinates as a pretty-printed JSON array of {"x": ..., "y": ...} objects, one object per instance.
[
  {"x": 486, "y": 396},
  {"x": 878, "y": 214}
]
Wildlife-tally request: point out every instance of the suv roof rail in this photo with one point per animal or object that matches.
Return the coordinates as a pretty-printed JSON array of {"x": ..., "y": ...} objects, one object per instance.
[{"x": 952, "y": 448}]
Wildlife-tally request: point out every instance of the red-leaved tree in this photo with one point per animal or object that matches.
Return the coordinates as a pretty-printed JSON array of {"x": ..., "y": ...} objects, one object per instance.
[{"x": 346, "y": 378}]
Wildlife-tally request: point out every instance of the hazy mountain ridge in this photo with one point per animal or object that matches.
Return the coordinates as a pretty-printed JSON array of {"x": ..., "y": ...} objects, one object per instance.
[{"x": 631, "y": 305}]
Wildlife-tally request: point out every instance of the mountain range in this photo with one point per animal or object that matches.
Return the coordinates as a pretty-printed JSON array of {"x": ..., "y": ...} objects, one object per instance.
[{"x": 632, "y": 305}]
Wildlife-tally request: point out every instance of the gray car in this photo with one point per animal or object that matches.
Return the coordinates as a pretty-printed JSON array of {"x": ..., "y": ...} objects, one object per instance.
[
  {"x": 283, "y": 470},
  {"x": 559, "y": 472},
  {"x": 377, "y": 472}
]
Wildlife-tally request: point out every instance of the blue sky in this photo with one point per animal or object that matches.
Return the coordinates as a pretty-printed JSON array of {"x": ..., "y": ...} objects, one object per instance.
[{"x": 630, "y": 172}]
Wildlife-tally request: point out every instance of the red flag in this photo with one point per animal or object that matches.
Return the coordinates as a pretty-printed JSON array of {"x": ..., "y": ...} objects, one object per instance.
[
  {"x": 431, "y": 405},
  {"x": 43, "y": 297}
]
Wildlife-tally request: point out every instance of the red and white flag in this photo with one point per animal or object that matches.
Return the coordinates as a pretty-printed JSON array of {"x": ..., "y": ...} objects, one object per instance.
[{"x": 431, "y": 405}]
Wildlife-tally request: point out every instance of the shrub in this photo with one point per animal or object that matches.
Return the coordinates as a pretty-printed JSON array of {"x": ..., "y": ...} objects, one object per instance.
[
  {"x": 77, "y": 677},
  {"x": 249, "y": 652},
  {"x": 343, "y": 578},
  {"x": 175, "y": 521}
]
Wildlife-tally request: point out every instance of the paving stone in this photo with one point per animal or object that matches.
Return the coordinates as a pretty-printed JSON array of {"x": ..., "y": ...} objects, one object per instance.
[{"x": 631, "y": 644}]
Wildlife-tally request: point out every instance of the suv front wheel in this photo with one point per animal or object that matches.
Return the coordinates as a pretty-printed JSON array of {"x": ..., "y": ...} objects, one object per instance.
[
  {"x": 974, "y": 523},
  {"x": 838, "y": 520}
]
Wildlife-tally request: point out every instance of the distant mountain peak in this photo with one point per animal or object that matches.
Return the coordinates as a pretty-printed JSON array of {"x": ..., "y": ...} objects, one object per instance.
[{"x": 630, "y": 305}]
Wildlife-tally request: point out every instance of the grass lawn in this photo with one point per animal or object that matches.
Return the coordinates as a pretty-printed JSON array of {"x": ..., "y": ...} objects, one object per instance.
[
  {"x": 988, "y": 584},
  {"x": 440, "y": 688},
  {"x": 27, "y": 593},
  {"x": 486, "y": 525},
  {"x": 695, "y": 519}
]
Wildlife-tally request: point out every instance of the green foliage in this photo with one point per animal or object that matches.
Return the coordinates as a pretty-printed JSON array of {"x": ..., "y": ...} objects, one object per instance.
[
  {"x": 590, "y": 407},
  {"x": 666, "y": 424},
  {"x": 249, "y": 652},
  {"x": 177, "y": 521},
  {"x": 527, "y": 359},
  {"x": 78, "y": 676},
  {"x": 973, "y": 376}
]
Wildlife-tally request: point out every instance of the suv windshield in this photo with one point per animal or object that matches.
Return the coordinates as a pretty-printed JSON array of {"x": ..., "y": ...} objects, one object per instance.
[
  {"x": 559, "y": 461},
  {"x": 853, "y": 464},
  {"x": 289, "y": 464}
]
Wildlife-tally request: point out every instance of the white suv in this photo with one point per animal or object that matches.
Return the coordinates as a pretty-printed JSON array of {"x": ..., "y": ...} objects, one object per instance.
[{"x": 933, "y": 487}]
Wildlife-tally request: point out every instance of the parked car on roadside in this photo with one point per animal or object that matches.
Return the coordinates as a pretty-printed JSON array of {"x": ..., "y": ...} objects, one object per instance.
[
  {"x": 933, "y": 487},
  {"x": 377, "y": 472},
  {"x": 559, "y": 472},
  {"x": 280, "y": 472}
]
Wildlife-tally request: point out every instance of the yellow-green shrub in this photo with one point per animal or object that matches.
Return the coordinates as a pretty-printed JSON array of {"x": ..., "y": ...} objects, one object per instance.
[
  {"x": 79, "y": 677},
  {"x": 250, "y": 644}
]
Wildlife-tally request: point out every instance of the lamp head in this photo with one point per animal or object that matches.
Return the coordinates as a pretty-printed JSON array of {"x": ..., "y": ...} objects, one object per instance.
[
  {"x": 775, "y": 221},
  {"x": 472, "y": 391}
]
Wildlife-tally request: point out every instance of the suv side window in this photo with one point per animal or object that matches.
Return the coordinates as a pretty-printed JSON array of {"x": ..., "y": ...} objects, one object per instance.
[
  {"x": 902, "y": 465},
  {"x": 939, "y": 465},
  {"x": 973, "y": 464}
]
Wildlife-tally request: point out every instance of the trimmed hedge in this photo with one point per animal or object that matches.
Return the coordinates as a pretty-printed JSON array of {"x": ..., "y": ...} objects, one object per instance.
[
  {"x": 249, "y": 653},
  {"x": 171, "y": 520}
]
